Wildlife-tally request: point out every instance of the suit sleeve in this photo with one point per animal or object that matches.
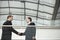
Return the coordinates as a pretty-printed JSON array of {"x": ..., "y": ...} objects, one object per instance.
[{"x": 13, "y": 30}]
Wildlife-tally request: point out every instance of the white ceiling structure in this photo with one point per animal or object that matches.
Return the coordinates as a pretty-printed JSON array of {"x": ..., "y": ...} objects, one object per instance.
[{"x": 41, "y": 11}]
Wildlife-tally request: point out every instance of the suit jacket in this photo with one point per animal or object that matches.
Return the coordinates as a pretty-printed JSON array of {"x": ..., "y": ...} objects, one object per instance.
[
  {"x": 7, "y": 31},
  {"x": 30, "y": 31}
]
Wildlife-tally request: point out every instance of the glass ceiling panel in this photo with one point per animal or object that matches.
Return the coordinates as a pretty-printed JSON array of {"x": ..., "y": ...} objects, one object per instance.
[
  {"x": 17, "y": 8},
  {"x": 47, "y": 22},
  {"x": 30, "y": 12},
  {"x": 40, "y": 21},
  {"x": 31, "y": 6},
  {"x": 4, "y": 11},
  {"x": 48, "y": 2},
  {"x": 41, "y": 7},
  {"x": 43, "y": 22},
  {"x": 44, "y": 15},
  {"x": 17, "y": 11},
  {"x": 46, "y": 9},
  {"x": 3, "y": 16},
  {"x": 16, "y": 4},
  {"x": 3, "y": 2},
  {"x": 36, "y": 1},
  {"x": 18, "y": 17}
]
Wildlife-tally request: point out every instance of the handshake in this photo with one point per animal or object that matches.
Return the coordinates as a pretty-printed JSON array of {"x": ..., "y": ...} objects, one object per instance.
[{"x": 21, "y": 34}]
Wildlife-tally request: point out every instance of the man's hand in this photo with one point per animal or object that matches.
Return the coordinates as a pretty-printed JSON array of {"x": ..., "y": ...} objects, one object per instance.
[{"x": 20, "y": 34}]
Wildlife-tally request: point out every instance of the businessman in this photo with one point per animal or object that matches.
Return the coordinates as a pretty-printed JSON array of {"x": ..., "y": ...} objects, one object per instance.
[
  {"x": 30, "y": 31},
  {"x": 7, "y": 31}
]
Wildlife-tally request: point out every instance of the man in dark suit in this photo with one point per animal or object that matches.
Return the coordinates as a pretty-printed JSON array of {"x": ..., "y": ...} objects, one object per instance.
[
  {"x": 7, "y": 31},
  {"x": 30, "y": 31}
]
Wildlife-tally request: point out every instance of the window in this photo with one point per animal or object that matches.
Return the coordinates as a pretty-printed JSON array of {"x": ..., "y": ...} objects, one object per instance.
[
  {"x": 31, "y": 6},
  {"x": 30, "y": 12},
  {"x": 44, "y": 15},
  {"x": 48, "y": 2},
  {"x": 3, "y": 2},
  {"x": 36, "y": 1},
  {"x": 4, "y": 17},
  {"x": 18, "y": 17},
  {"x": 4, "y": 11},
  {"x": 46, "y": 9},
  {"x": 16, "y": 4},
  {"x": 17, "y": 11}
]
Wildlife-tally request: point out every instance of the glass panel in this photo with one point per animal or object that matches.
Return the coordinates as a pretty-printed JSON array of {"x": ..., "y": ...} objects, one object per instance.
[
  {"x": 43, "y": 22},
  {"x": 31, "y": 6},
  {"x": 57, "y": 22},
  {"x": 19, "y": 23},
  {"x": 3, "y": 17},
  {"x": 18, "y": 17},
  {"x": 47, "y": 22},
  {"x": 4, "y": 11},
  {"x": 44, "y": 15},
  {"x": 48, "y": 2},
  {"x": 16, "y": 4},
  {"x": 18, "y": 20},
  {"x": 3, "y": 3},
  {"x": 41, "y": 7},
  {"x": 17, "y": 11},
  {"x": 30, "y": 12},
  {"x": 40, "y": 21},
  {"x": 23, "y": 23},
  {"x": 46, "y": 9},
  {"x": 33, "y": 1}
]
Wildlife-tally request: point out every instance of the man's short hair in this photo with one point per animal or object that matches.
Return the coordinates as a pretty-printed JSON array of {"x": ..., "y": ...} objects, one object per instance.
[
  {"x": 30, "y": 18},
  {"x": 9, "y": 17}
]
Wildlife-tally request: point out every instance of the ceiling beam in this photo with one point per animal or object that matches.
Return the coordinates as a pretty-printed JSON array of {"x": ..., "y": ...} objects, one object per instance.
[{"x": 55, "y": 10}]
